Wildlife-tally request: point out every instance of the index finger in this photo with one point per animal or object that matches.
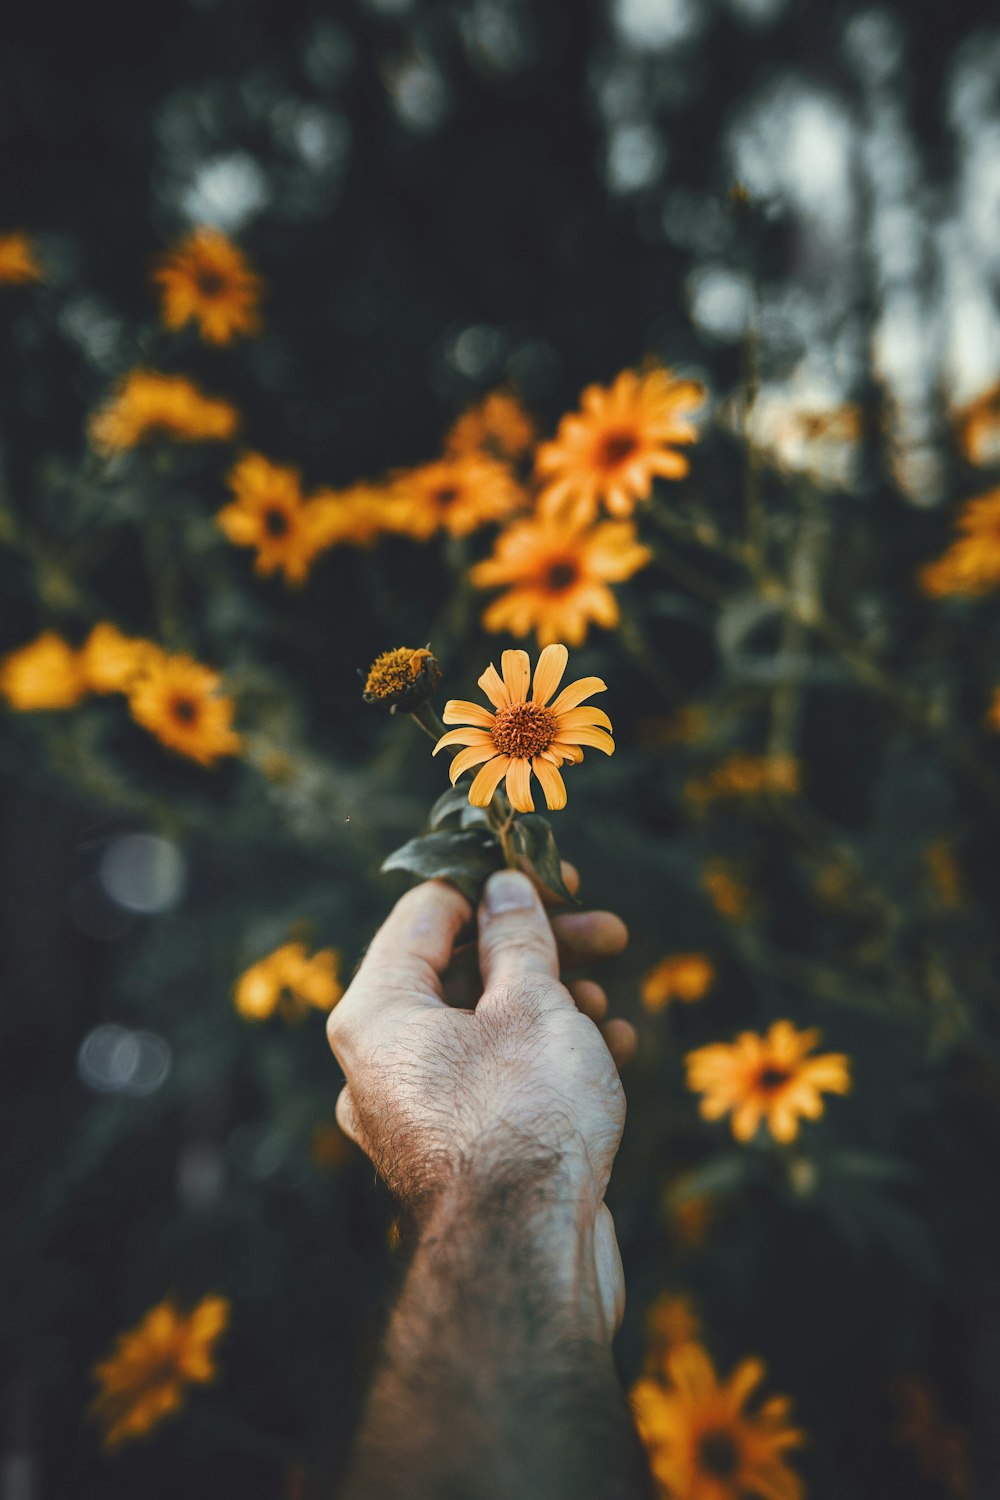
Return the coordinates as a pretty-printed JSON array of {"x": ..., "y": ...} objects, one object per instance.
[{"x": 414, "y": 944}]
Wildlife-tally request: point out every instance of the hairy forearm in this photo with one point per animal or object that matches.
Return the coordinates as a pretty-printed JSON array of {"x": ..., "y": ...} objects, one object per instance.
[{"x": 497, "y": 1380}]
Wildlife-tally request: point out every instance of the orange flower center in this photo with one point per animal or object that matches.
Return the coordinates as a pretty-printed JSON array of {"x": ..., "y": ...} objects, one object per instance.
[
  {"x": 718, "y": 1455},
  {"x": 210, "y": 283},
  {"x": 275, "y": 522},
  {"x": 447, "y": 495},
  {"x": 184, "y": 709},
  {"x": 523, "y": 730},
  {"x": 771, "y": 1078},
  {"x": 560, "y": 576},
  {"x": 615, "y": 448}
]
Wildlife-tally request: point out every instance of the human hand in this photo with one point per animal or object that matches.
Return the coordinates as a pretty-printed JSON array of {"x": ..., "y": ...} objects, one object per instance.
[{"x": 524, "y": 1085}]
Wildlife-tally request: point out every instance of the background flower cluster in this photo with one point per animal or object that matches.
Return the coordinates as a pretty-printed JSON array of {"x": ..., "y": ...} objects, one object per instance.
[{"x": 666, "y": 332}]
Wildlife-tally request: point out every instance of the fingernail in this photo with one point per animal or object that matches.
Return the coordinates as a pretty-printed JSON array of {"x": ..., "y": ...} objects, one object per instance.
[{"x": 508, "y": 890}]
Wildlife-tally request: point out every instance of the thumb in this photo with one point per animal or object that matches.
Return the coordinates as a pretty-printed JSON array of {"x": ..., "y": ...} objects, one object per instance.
[{"x": 515, "y": 937}]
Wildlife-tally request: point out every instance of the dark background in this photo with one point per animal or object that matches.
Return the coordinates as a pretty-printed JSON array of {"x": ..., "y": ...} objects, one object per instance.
[{"x": 436, "y": 208}]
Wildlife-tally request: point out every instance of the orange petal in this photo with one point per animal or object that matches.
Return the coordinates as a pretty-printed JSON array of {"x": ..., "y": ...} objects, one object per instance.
[
  {"x": 551, "y": 783},
  {"x": 466, "y": 759},
  {"x": 584, "y": 718},
  {"x": 576, "y": 692},
  {"x": 492, "y": 685},
  {"x": 461, "y": 711},
  {"x": 548, "y": 673},
  {"x": 599, "y": 739},
  {"x": 487, "y": 781},
  {"x": 519, "y": 784},
  {"x": 464, "y": 736},
  {"x": 516, "y": 670}
]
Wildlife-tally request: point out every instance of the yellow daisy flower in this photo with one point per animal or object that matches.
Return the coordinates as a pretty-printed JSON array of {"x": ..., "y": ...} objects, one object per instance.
[
  {"x": 767, "y": 1078},
  {"x": 404, "y": 677},
  {"x": 46, "y": 673},
  {"x": 971, "y": 565},
  {"x": 178, "y": 700},
  {"x": 144, "y": 1378},
  {"x": 522, "y": 736},
  {"x": 670, "y": 1322},
  {"x": 622, "y": 437},
  {"x": 147, "y": 405},
  {"x": 269, "y": 513},
  {"x": 288, "y": 981},
  {"x": 744, "y": 775},
  {"x": 703, "y": 1444},
  {"x": 110, "y": 660},
  {"x": 557, "y": 577},
  {"x": 19, "y": 263},
  {"x": 679, "y": 976},
  {"x": 354, "y": 517},
  {"x": 457, "y": 495},
  {"x": 207, "y": 280},
  {"x": 497, "y": 426},
  {"x": 728, "y": 893}
]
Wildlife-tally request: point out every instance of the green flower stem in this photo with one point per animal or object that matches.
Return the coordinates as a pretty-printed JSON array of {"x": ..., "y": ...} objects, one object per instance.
[{"x": 499, "y": 812}]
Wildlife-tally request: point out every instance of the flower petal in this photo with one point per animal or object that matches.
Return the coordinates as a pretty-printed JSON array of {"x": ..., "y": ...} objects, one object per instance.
[
  {"x": 468, "y": 735},
  {"x": 598, "y": 738},
  {"x": 519, "y": 784},
  {"x": 516, "y": 670},
  {"x": 487, "y": 781},
  {"x": 461, "y": 711},
  {"x": 586, "y": 718},
  {"x": 473, "y": 756},
  {"x": 576, "y": 692},
  {"x": 492, "y": 685},
  {"x": 548, "y": 673},
  {"x": 551, "y": 783}
]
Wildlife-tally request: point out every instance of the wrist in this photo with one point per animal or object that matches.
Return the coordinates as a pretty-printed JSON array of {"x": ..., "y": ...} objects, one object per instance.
[{"x": 531, "y": 1219}]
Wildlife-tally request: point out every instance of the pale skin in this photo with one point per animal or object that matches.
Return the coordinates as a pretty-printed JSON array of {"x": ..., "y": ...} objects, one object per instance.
[{"x": 487, "y": 1093}]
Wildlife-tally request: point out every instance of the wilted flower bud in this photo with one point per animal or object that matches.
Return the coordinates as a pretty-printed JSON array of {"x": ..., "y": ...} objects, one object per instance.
[{"x": 404, "y": 678}]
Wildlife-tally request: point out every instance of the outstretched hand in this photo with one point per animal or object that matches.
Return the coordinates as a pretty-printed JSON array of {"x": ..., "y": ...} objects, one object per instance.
[{"x": 508, "y": 1069}]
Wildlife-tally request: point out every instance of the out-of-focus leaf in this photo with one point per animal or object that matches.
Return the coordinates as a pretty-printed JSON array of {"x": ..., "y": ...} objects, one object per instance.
[
  {"x": 465, "y": 858},
  {"x": 448, "y": 805},
  {"x": 869, "y": 1165},
  {"x": 535, "y": 846}
]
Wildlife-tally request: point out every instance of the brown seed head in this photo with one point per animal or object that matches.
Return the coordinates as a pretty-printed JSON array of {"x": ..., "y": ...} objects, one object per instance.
[
  {"x": 404, "y": 678},
  {"x": 523, "y": 730}
]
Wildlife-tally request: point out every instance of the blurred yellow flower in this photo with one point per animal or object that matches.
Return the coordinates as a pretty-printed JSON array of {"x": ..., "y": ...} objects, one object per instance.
[
  {"x": 703, "y": 1444},
  {"x": 766, "y": 1078},
  {"x": 353, "y": 517},
  {"x": 147, "y": 405},
  {"x": 685, "y": 726},
  {"x": 206, "y": 279},
  {"x": 497, "y": 426},
  {"x": 670, "y": 1322},
  {"x": 617, "y": 443},
  {"x": 458, "y": 494},
  {"x": 290, "y": 982},
  {"x": 269, "y": 513},
  {"x": 19, "y": 263},
  {"x": 557, "y": 577},
  {"x": 728, "y": 893},
  {"x": 971, "y": 565},
  {"x": 944, "y": 872},
  {"x": 978, "y": 428},
  {"x": 178, "y": 700},
  {"x": 940, "y": 1447},
  {"x": 110, "y": 661},
  {"x": 679, "y": 976},
  {"x": 44, "y": 674},
  {"x": 143, "y": 1380},
  {"x": 522, "y": 736},
  {"x": 744, "y": 775}
]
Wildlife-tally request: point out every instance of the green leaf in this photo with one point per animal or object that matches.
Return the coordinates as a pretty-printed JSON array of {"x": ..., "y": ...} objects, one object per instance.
[
  {"x": 448, "y": 805},
  {"x": 465, "y": 858},
  {"x": 535, "y": 847}
]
